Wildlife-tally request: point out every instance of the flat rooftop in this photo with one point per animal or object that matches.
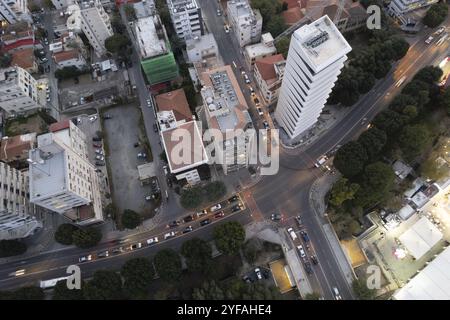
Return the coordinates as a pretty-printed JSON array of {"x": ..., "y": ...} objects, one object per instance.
[
  {"x": 321, "y": 43},
  {"x": 150, "y": 44},
  {"x": 181, "y": 5},
  {"x": 259, "y": 49}
]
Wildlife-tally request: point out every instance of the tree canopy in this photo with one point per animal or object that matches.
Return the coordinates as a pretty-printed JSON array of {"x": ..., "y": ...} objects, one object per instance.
[
  {"x": 342, "y": 191},
  {"x": 137, "y": 274},
  {"x": 168, "y": 265},
  {"x": 131, "y": 219},
  {"x": 104, "y": 285},
  {"x": 191, "y": 197},
  {"x": 373, "y": 141},
  {"x": 435, "y": 15},
  {"x": 61, "y": 292},
  {"x": 64, "y": 233},
  {"x": 283, "y": 46},
  {"x": 413, "y": 140},
  {"x": 229, "y": 237},
  {"x": 215, "y": 190},
  {"x": 9, "y": 248},
  {"x": 86, "y": 238},
  {"x": 362, "y": 291},
  {"x": 198, "y": 254},
  {"x": 350, "y": 159}
]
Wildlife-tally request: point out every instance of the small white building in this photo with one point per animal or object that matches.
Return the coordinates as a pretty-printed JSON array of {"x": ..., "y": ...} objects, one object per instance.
[
  {"x": 186, "y": 18},
  {"x": 260, "y": 50},
  {"x": 71, "y": 58},
  {"x": 245, "y": 22},
  {"x": 201, "y": 48}
]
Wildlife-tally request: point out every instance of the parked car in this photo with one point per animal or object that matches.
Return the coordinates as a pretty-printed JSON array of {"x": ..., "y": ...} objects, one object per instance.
[
  {"x": 96, "y": 138},
  {"x": 107, "y": 116},
  {"x": 188, "y": 218},
  {"x": 216, "y": 207},
  {"x": 142, "y": 155},
  {"x": 252, "y": 92},
  {"x": 188, "y": 229},
  {"x": 103, "y": 254},
  {"x": 236, "y": 208},
  {"x": 97, "y": 145},
  {"x": 136, "y": 246},
  {"x": 226, "y": 28},
  {"x": 99, "y": 151},
  {"x": 260, "y": 111},
  {"x": 299, "y": 220},
  {"x": 247, "y": 79},
  {"x": 429, "y": 40},
  {"x": 276, "y": 217},
  {"x": 118, "y": 250},
  {"x": 301, "y": 251},
  {"x": 233, "y": 199},
  {"x": 99, "y": 163},
  {"x": 314, "y": 259},
  {"x": 320, "y": 161},
  {"x": 85, "y": 258},
  {"x": 152, "y": 241},
  {"x": 256, "y": 101},
  {"x": 219, "y": 13},
  {"x": 247, "y": 279},
  {"x": 149, "y": 103},
  {"x": 202, "y": 213},
  {"x": 148, "y": 198},
  {"x": 292, "y": 233},
  {"x": 308, "y": 268},
  {"x": 169, "y": 235},
  {"x": 219, "y": 214},
  {"x": 205, "y": 222},
  {"x": 93, "y": 118},
  {"x": 265, "y": 124},
  {"x": 304, "y": 236},
  {"x": 155, "y": 127},
  {"x": 99, "y": 157},
  {"x": 258, "y": 273}
]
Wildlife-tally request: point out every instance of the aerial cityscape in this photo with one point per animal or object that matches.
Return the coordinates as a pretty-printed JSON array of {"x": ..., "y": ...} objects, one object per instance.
[{"x": 224, "y": 150}]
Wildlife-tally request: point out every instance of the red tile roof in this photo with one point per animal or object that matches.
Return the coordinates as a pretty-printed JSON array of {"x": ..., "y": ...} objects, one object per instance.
[
  {"x": 23, "y": 58},
  {"x": 265, "y": 66},
  {"x": 16, "y": 148},
  {"x": 65, "y": 55},
  {"x": 58, "y": 126},
  {"x": 175, "y": 101}
]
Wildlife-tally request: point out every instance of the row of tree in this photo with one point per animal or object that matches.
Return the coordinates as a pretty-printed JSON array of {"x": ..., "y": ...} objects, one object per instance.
[
  {"x": 69, "y": 234},
  {"x": 436, "y": 15},
  {"x": 273, "y": 21}
]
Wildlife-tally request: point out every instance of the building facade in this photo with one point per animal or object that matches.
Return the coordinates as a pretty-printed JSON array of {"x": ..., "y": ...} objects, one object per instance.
[
  {"x": 61, "y": 177},
  {"x": 260, "y": 50},
  {"x": 201, "y": 48},
  {"x": 95, "y": 25},
  {"x": 61, "y": 4},
  {"x": 245, "y": 22},
  {"x": 16, "y": 220},
  {"x": 186, "y": 17},
  {"x": 397, "y": 8},
  {"x": 316, "y": 56},
  {"x": 13, "y": 11},
  {"x": 20, "y": 92},
  {"x": 268, "y": 74}
]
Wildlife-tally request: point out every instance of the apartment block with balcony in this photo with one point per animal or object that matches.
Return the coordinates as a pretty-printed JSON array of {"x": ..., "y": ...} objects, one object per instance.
[
  {"x": 268, "y": 74},
  {"x": 245, "y": 22},
  {"x": 186, "y": 18},
  {"x": 13, "y": 11}
]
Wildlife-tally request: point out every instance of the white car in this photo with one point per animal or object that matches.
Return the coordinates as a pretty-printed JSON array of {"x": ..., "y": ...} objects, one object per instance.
[
  {"x": 219, "y": 13},
  {"x": 430, "y": 38},
  {"x": 216, "y": 207},
  {"x": 337, "y": 295},
  {"x": 85, "y": 258},
  {"x": 260, "y": 112},
  {"x": 149, "y": 103},
  {"x": 99, "y": 157},
  {"x": 321, "y": 161},
  {"x": 247, "y": 79},
  {"x": 99, "y": 151},
  {"x": 93, "y": 118},
  {"x": 227, "y": 28},
  {"x": 152, "y": 241},
  {"x": 258, "y": 273},
  {"x": 169, "y": 235},
  {"x": 301, "y": 251},
  {"x": 292, "y": 233},
  {"x": 136, "y": 246}
]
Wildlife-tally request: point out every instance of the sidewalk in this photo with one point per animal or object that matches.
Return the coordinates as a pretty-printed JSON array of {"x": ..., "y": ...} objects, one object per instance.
[{"x": 316, "y": 197}]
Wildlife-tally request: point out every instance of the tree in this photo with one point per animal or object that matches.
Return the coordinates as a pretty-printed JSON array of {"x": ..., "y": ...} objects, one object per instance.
[
  {"x": 64, "y": 233},
  {"x": 435, "y": 15},
  {"x": 130, "y": 12},
  {"x": 86, "y": 238},
  {"x": 373, "y": 141},
  {"x": 229, "y": 237},
  {"x": 346, "y": 89},
  {"x": 5, "y": 60},
  {"x": 33, "y": 7},
  {"x": 432, "y": 169},
  {"x": 401, "y": 101},
  {"x": 61, "y": 292},
  {"x": 49, "y": 4},
  {"x": 104, "y": 285},
  {"x": 362, "y": 291},
  {"x": 399, "y": 47},
  {"x": 342, "y": 191},
  {"x": 250, "y": 251},
  {"x": 215, "y": 190},
  {"x": 283, "y": 46},
  {"x": 413, "y": 140},
  {"x": 168, "y": 265},
  {"x": 389, "y": 121},
  {"x": 276, "y": 25},
  {"x": 28, "y": 293},
  {"x": 284, "y": 6},
  {"x": 208, "y": 291},
  {"x": 9, "y": 248},
  {"x": 117, "y": 43},
  {"x": 137, "y": 274},
  {"x": 110, "y": 210},
  {"x": 198, "y": 254},
  {"x": 377, "y": 180},
  {"x": 131, "y": 219},
  {"x": 191, "y": 197},
  {"x": 68, "y": 72},
  {"x": 350, "y": 159},
  {"x": 429, "y": 74}
]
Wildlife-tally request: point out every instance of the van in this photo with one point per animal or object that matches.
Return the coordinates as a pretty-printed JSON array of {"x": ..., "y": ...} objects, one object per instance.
[
  {"x": 292, "y": 233},
  {"x": 216, "y": 207}
]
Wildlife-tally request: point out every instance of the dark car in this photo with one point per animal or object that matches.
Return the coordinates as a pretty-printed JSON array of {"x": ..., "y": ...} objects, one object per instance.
[
  {"x": 155, "y": 127},
  {"x": 205, "y": 222},
  {"x": 233, "y": 199},
  {"x": 99, "y": 163},
  {"x": 96, "y": 139},
  {"x": 304, "y": 236},
  {"x": 276, "y": 217},
  {"x": 107, "y": 116},
  {"x": 174, "y": 224},
  {"x": 308, "y": 268},
  {"x": 236, "y": 208},
  {"x": 188, "y": 218},
  {"x": 299, "y": 220},
  {"x": 219, "y": 214},
  {"x": 188, "y": 229},
  {"x": 314, "y": 260},
  {"x": 136, "y": 144}
]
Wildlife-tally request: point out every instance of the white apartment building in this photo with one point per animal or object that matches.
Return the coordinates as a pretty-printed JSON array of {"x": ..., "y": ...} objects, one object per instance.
[
  {"x": 316, "y": 56},
  {"x": 61, "y": 177},
  {"x": 61, "y": 4},
  {"x": 201, "y": 48},
  {"x": 397, "y": 8},
  {"x": 20, "y": 92},
  {"x": 13, "y": 11},
  {"x": 226, "y": 111},
  {"x": 245, "y": 22},
  {"x": 150, "y": 37},
  {"x": 15, "y": 209},
  {"x": 186, "y": 18},
  {"x": 95, "y": 25},
  {"x": 260, "y": 50}
]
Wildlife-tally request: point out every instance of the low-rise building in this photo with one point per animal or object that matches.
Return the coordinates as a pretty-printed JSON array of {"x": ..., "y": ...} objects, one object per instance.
[
  {"x": 226, "y": 112},
  {"x": 15, "y": 149},
  {"x": 397, "y": 8},
  {"x": 245, "y": 22},
  {"x": 20, "y": 92},
  {"x": 12, "y": 11},
  {"x": 186, "y": 18},
  {"x": 201, "y": 48},
  {"x": 268, "y": 73},
  {"x": 260, "y": 50},
  {"x": 61, "y": 177},
  {"x": 71, "y": 58},
  {"x": 16, "y": 220}
]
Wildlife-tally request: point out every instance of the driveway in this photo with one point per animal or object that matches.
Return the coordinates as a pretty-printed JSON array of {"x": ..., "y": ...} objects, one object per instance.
[{"x": 121, "y": 133}]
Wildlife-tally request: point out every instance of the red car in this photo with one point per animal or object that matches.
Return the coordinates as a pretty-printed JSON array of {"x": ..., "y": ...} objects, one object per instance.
[
  {"x": 97, "y": 145},
  {"x": 219, "y": 214}
]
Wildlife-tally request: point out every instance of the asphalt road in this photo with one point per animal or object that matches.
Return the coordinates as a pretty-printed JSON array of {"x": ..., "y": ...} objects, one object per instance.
[{"x": 288, "y": 191}]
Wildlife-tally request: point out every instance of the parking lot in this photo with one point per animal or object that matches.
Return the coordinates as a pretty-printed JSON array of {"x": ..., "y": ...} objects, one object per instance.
[{"x": 121, "y": 134}]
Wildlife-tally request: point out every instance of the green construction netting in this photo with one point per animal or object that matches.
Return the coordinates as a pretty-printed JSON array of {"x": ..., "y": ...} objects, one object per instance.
[{"x": 160, "y": 69}]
